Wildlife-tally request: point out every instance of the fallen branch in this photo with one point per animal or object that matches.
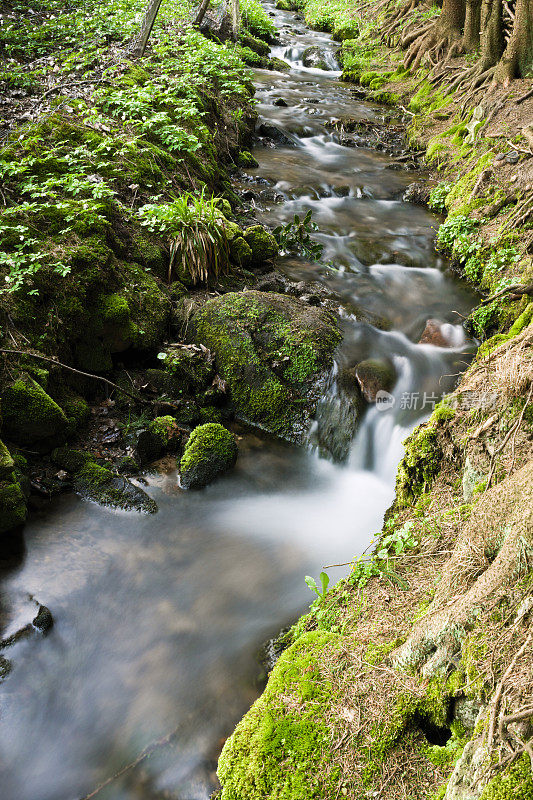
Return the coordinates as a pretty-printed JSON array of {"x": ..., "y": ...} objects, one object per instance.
[
  {"x": 516, "y": 291},
  {"x": 78, "y": 372}
]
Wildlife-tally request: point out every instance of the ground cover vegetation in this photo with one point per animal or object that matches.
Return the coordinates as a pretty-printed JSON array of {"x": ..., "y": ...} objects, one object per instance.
[{"x": 411, "y": 678}]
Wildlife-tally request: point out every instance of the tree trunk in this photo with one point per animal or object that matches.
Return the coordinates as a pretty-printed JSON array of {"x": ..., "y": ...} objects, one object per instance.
[
  {"x": 150, "y": 15},
  {"x": 204, "y": 5},
  {"x": 491, "y": 33},
  {"x": 472, "y": 25},
  {"x": 517, "y": 59},
  {"x": 452, "y": 17},
  {"x": 235, "y": 19}
]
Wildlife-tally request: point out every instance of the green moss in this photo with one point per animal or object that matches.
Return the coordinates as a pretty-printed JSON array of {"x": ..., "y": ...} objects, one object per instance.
[
  {"x": 281, "y": 747},
  {"x": 97, "y": 483},
  {"x": 210, "y": 451},
  {"x": 525, "y": 319},
  {"x": 12, "y": 505},
  {"x": 515, "y": 783},
  {"x": 422, "y": 458},
  {"x": 30, "y": 415},
  {"x": 189, "y": 370},
  {"x": 261, "y": 242},
  {"x": 69, "y": 459},
  {"x": 7, "y": 465},
  {"x": 240, "y": 252},
  {"x": 269, "y": 348},
  {"x": 278, "y": 65}
]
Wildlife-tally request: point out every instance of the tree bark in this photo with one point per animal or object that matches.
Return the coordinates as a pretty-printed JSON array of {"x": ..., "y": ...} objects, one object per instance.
[
  {"x": 517, "y": 58},
  {"x": 150, "y": 15},
  {"x": 472, "y": 25},
  {"x": 235, "y": 19},
  {"x": 491, "y": 33},
  {"x": 452, "y": 17},
  {"x": 204, "y": 5}
]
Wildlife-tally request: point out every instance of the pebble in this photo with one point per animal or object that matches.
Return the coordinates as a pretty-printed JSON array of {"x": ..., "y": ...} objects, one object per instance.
[{"x": 513, "y": 157}]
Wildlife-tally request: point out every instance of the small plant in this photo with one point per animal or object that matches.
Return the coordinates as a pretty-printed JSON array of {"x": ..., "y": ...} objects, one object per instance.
[
  {"x": 324, "y": 580},
  {"x": 437, "y": 197},
  {"x": 295, "y": 237},
  {"x": 198, "y": 243}
]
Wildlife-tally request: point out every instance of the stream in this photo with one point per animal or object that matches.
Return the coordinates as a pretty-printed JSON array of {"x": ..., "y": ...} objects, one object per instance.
[{"x": 158, "y": 619}]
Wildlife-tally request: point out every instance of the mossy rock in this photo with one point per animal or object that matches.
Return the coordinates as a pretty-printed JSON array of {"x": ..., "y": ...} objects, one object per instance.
[
  {"x": 273, "y": 351},
  {"x": 31, "y": 417},
  {"x": 240, "y": 252},
  {"x": 12, "y": 505},
  {"x": 281, "y": 747},
  {"x": 262, "y": 243},
  {"x": 161, "y": 434},
  {"x": 69, "y": 459},
  {"x": 99, "y": 484},
  {"x": 278, "y": 65},
  {"x": 252, "y": 43},
  {"x": 246, "y": 159},
  {"x": 190, "y": 371},
  {"x": 210, "y": 451},
  {"x": 7, "y": 465}
]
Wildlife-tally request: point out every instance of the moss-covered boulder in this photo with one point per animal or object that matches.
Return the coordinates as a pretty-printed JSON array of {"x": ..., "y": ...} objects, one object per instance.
[
  {"x": 189, "y": 369},
  {"x": 273, "y": 352},
  {"x": 161, "y": 434},
  {"x": 69, "y": 459},
  {"x": 30, "y": 416},
  {"x": 262, "y": 243},
  {"x": 210, "y": 451},
  {"x": 97, "y": 483},
  {"x": 12, "y": 499}
]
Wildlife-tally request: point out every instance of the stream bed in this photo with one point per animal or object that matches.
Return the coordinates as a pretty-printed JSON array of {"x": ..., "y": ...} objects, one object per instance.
[{"x": 158, "y": 619}]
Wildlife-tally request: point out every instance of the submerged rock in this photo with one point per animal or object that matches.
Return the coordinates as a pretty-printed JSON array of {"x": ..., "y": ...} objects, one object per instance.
[
  {"x": 374, "y": 375},
  {"x": 434, "y": 333},
  {"x": 316, "y": 57},
  {"x": 210, "y": 451},
  {"x": 274, "y": 133},
  {"x": 274, "y": 352}
]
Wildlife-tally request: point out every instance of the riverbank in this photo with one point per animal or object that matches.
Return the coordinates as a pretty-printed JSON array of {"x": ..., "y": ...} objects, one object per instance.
[{"x": 411, "y": 678}]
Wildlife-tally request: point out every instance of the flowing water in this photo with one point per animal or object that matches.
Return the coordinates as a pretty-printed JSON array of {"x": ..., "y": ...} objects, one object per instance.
[{"x": 158, "y": 618}]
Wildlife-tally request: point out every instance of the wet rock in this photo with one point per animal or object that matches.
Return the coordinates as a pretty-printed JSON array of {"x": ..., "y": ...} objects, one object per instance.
[
  {"x": 274, "y": 133},
  {"x": 69, "y": 459},
  {"x": 246, "y": 159},
  {"x": 278, "y": 65},
  {"x": 210, "y": 451},
  {"x": 279, "y": 101},
  {"x": 433, "y": 334},
  {"x": 99, "y": 484},
  {"x": 190, "y": 368},
  {"x": 263, "y": 245},
  {"x": 255, "y": 44},
  {"x": 316, "y": 57},
  {"x": 5, "y": 668},
  {"x": 374, "y": 375},
  {"x": 44, "y": 620},
  {"x": 13, "y": 508},
  {"x": 161, "y": 434},
  {"x": 273, "y": 351},
  {"x": 30, "y": 416},
  {"x": 417, "y": 193}
]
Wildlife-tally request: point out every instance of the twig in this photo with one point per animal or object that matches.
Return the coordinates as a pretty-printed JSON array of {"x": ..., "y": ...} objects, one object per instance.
[
  {"x": 148, "y": 750},
  {"x": 514, "y": 146},
  {"x": 78, "y": 372}
]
